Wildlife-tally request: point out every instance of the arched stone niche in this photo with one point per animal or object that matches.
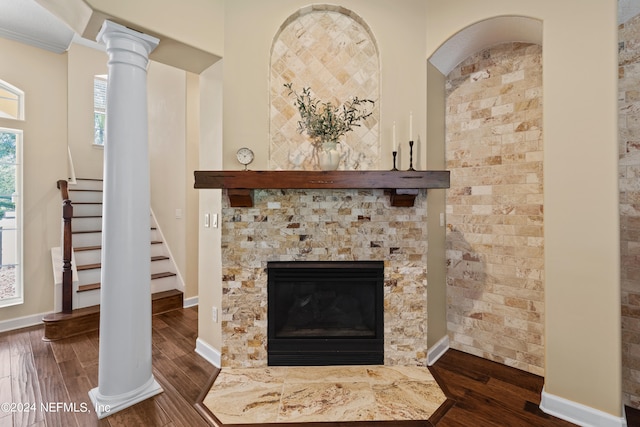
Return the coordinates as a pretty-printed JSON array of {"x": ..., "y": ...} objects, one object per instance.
[{"x": 331, "y": 50}]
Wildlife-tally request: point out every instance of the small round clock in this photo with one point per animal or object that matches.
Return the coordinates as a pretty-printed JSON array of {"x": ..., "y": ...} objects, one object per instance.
[{"x": 244, "y": 156}]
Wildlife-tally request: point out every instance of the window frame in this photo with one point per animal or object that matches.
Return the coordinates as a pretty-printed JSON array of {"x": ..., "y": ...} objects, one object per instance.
[
  {"x": 96, "y": 110},
  {"x": 18, "y": 298}
]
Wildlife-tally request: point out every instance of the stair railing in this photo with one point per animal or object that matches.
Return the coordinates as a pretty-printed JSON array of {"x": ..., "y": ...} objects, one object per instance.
[{"x": 67, "y": 273}]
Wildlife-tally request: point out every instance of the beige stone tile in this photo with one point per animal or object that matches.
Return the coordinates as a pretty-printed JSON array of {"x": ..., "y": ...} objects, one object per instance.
[
  {"x": 312, "y": 374},
  {"x": 245, "y": 396},
  {"x": 347, "y": 401},
  {"x": 407, "y": 400}
]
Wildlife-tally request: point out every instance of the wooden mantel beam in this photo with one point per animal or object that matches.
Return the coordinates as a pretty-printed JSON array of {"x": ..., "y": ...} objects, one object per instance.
[{"x": 399, "y": 183}]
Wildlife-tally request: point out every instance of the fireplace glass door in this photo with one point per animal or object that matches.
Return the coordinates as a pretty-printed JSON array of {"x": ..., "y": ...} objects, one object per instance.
[{"x": 325, "y": 313}]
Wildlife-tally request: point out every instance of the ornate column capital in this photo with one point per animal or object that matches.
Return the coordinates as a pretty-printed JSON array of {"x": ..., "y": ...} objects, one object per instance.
[{"x": 126, "y": 45}]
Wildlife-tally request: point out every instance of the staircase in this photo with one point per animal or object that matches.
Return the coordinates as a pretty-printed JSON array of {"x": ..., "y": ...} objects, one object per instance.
[{"x": 86, "y": 197}]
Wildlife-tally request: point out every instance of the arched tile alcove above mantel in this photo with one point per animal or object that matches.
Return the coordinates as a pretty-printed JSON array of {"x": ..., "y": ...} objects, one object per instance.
[{"x": 334, "y": 52}]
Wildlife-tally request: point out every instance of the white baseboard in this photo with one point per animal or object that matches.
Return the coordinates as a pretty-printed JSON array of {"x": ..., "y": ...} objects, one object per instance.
[
  {"x": 21, "y": 322},
  {"x": 439, "y": 349},
  {"x": 210, "y": 354},
  {"x": 577, "y": 413},
  {"x": 190, "y": 302}
]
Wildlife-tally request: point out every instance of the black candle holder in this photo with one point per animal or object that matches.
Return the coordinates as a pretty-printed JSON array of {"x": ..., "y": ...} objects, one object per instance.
[
  {"x": 395, "y": 154},
  {"x": 411, "y": 156}
]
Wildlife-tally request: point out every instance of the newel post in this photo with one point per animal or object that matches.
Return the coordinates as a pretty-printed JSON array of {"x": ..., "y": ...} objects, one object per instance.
[
  {"x": 67, "y": 248},
  {"x": 67, "y": 273}
]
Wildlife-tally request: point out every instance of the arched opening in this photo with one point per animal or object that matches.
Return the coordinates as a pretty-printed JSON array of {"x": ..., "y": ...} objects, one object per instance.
[
  {"x": 331, "y": 50},
  {"x": 494, "y": 278},
  {"x": 11, "y": 102}
]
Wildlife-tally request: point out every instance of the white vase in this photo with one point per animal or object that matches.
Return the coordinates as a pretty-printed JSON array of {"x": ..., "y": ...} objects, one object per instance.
[{"x": 328, "y": 156}]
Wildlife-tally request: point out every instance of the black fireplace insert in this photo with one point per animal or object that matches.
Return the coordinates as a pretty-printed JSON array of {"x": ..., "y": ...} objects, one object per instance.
[{"x": 325, "y": 313}]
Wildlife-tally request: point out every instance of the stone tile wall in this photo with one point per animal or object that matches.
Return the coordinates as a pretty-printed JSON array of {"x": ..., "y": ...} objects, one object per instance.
[
  {"x": 318, "y": 225},
  {"x": 332, "y": 50},
  {"x": 629, "y": 145},
  {"x": 495, "y": 278}
]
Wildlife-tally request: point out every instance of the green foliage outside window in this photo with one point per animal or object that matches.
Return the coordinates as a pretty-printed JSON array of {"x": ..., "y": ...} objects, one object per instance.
[{"x": 7, "y": 172}]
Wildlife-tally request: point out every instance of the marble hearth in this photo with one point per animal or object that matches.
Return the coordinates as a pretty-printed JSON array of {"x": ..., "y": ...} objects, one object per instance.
[{"x": 323, "y": 225}]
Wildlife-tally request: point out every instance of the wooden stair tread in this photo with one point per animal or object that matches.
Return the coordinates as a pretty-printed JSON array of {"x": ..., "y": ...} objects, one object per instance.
[
  {"x": 87, "y": 248},
  {"x": 95, "y": 286},
  {"x": 162, "y": 275},
  {"x": 88, "y": 266},
  {"x": 98, "y": 231},
  {"x": 96, "y": 247},
  {"x": 98, "y": 264},
  {"x": 89, "y": 287}
]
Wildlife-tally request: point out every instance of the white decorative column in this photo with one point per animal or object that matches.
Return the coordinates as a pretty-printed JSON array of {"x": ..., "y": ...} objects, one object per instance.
[{"x": 125, "y": 377}]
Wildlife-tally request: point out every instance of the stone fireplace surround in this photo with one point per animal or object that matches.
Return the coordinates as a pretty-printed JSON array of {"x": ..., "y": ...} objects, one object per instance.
[{"x": 323, "y": 225}]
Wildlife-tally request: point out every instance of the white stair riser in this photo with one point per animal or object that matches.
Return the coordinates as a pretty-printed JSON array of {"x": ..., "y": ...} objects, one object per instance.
[
  {"x": 92, "y": 209},
  {"x": 85, "y": 196},
  {"x": 87, "y": 239},
  {"x": 86, "y": 299},
  {"x": 88, "y": 257},
  {"x": 164, "y": 284},
  {"x": 155, "y": 235},
  {"x": 86, "y": 224},
  {"x": 158, "y": 249},
  {"x": 86, "y": 184},
  {"x": 161, "y": 266},
  {"x": 87, "y": 277}
]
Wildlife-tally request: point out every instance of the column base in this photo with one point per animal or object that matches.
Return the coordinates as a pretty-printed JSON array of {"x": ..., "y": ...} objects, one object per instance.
[{"x": 108, "y": 405}]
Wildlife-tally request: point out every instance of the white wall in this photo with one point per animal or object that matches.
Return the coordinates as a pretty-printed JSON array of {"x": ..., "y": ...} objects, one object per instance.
[
  {"x": 167, "y": 155},
  {"x": 209, "y": 249},
  {"x": 84, "y": 64}
]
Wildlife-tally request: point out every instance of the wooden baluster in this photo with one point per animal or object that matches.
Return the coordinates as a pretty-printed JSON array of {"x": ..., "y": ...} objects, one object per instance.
[{"x": 67, "y": 273}]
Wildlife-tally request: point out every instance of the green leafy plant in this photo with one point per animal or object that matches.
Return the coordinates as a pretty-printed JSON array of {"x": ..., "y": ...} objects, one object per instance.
[{"x": 323, "y": 121}]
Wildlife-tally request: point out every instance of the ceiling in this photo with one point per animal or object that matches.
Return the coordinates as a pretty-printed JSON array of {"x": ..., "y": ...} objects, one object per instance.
[{"x": 28, "y": 22}]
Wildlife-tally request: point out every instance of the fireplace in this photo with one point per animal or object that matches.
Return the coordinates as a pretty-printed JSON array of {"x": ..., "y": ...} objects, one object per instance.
[{"x": 325, "y": 313}]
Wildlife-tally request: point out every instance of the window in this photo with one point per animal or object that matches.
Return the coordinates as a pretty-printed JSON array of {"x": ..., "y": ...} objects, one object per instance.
[
  {"x": 11, "y": 102},
  {"x": 11, "y": 107},
  {"x": 10, "y": 217},
  {"x": 99, "y": 109}
]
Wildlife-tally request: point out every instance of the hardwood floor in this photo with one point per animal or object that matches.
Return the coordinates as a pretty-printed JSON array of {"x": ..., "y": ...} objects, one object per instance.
[
  {"x": 35, "y": 373},
  {"x": 48, "y": 375},
  {"x": 485, "y": 393}
]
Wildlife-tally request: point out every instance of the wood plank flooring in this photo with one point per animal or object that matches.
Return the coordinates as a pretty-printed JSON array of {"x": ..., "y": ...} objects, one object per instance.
[
  {"x": 488, "y": 394},
  {"x": 481, "y": 393},
  {"x": 35, "y": 373}
]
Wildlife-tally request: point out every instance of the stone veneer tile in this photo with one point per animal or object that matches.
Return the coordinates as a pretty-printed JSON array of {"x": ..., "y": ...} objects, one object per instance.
[
  {"x": 629, "y": 184},
  {"x": 319, "y": 225},
  {"x": 331, "y": 50},
  {"x": 495, "y": 278}
]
